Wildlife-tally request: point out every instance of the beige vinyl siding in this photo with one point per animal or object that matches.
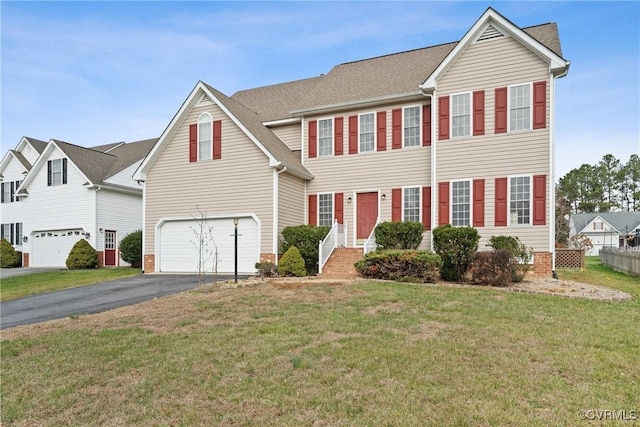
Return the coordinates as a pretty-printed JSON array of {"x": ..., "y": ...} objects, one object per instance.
[
  {"x": 289, "y": 134},
  {"x": 240, "y": 182},
  {"x": 379, "y": 171},
  {"x": 488, "y": 65},
  {"x": 290, "y": 201}
]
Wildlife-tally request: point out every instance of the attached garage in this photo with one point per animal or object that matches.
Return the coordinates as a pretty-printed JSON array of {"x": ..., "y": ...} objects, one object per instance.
[
  {"x": 177, "y": 249},
  {"x": 51, "y": 248}
]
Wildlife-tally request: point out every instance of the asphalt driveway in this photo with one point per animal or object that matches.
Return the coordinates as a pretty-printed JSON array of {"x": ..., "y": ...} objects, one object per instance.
[{"x": 95, "y": 298}]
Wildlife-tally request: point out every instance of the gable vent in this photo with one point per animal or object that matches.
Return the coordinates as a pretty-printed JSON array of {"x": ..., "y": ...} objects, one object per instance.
[
  {"x": 205, "y": 99},
  {"x": 490, "y": 33}
]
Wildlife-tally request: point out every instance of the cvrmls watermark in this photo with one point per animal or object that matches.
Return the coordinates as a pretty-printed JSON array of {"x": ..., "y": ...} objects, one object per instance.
[{"x": 608, "y": 414}]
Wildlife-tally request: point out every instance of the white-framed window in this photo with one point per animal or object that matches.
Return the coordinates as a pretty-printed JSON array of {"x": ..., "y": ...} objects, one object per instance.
[
  {"x": 12, "y": 233},
  {"x": 411, "y": 126},
  {"x": 411, "y": 204},
  {"x": 15, "y": 190},
  {"x": 6, "y": 192},
  {"x": 520, "y": 200},
  {"x": 461, "y": 203},
  {"x": 366, "y": 132},
  {"x": 325, "y": 209},
  {"x": 6, "y": 233},
  {"x": 205, "y": 136},
  {"x": 325, "y": 137},
  {"x": 520, "y": 107},
  {"x": 461, "y": 114},
  {"x": 56, "y": 172}
]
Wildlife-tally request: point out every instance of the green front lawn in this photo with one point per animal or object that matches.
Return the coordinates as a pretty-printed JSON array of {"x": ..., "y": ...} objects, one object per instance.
[
  {"x": 365, "y": 353},
  {"x": 31, "y": 284}
]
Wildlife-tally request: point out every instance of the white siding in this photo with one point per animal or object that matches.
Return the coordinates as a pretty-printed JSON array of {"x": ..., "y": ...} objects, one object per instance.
[
  {"x": 119, "y": 212},
  {"x": 30, "y": 153},
  {"x": 290, "y": 202},
  {"x": 125, "y": 177},
  {"x": 11, "y": 213}
]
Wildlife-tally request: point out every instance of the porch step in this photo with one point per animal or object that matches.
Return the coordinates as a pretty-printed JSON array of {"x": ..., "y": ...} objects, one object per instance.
[{"x": 340, "y": 264}]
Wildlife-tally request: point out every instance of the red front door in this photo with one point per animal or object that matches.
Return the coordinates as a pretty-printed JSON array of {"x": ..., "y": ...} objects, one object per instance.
[
  {"x": 109, "y": 248},
  {"x": 367, "y": 206}
]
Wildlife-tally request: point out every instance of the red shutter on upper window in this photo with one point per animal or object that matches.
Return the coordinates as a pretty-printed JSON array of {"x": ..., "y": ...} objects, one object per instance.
[
  {"x": 426, "y": 125},
  {"x": 540, "y": 105},
  {"x": 443, "y": 203},
  {"x": 339, "y": 209},
  {"x": 313, "y": 209},
  {"x": 501, "y": 110},
  {"x": 381, "y": 140},
  {"x": 353, "y": 134},
  {"x": 217, "y": 139},
  {"x": 396, "y": 129},
  {"x": 501, "y": 202},
  {"x": 313, "y": 138},
  {"x": 443, "y": 117},
  {"x": 396, "y": 204},
  {"x": 478, "y": 113},
  {"x": 478, "y": 202},
  {"x": 338, "y": 140},
  {"x": 539, "y": 199},
  {"x": 193, "y": 143},
  {"x": 426, "y": 207}
]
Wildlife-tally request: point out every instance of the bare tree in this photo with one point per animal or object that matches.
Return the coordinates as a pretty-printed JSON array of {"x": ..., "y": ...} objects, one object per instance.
[{"x": 205, "y": 244}]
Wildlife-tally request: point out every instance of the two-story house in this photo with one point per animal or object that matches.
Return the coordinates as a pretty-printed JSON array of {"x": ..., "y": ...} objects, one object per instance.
[
  {"x": 460, "y": 133},
  {"x": 55, "y": 193}
]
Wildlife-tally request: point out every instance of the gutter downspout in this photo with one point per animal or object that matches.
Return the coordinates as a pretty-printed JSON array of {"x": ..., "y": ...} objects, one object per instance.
[
  {"x": 552, "y": 181},
  {"x": 434, "y": 187},
  {"x": 95, "y": 223},
  {"x": 276, "y": 202}
]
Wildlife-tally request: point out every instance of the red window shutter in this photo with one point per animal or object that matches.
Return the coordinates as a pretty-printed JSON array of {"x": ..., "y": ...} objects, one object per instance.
[
  {"x": 501, "y": 202},
  {"x": 313, "y": 138},
  {"x": 338, "y": 140},
  {"x": 353, "y": 134},
  {"x": 426, "y": 125},
  {"x": 539, "y": 199},
  {"x": 396, "y": 129},
  {"x": 313, "y": 209},
  {"x": 443, "y": 117},
  {"x": 478, "y": 202},
  {"x": 339, "y": 207},
  {"x": 382, "y": 131},
  {"x": 217, "y": 139},
  {"x": 478, "y": 113},
  {"x": 443, "y": 203},
  {"x": 501, "y": 110},
  {"x": 396, "y": 204},
  {"x": 426, "y": 207},
  {"x": 540, "y": 105},
  {"x": 193, "y": 143}
]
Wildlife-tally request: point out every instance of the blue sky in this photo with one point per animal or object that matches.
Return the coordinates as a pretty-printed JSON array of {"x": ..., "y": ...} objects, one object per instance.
[{"x": 92, "y": 73}]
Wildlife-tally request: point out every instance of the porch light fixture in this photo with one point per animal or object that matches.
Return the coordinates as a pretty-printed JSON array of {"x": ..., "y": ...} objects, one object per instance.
[
  {"x": 384, "y": 196},
  {"x": 25, "y": 239},
  {"x": 87, "y": 235},
  {"x": 348, "y": 199}
]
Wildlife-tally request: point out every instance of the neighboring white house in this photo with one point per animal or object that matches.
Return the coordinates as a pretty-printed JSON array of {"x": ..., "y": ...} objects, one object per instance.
[
  {"x": 55, "y": 193},
  {"x": 605, "y": 228}
]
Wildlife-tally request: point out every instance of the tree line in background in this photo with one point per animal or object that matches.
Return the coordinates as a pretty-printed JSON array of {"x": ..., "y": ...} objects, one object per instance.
[{"x": 608, "y": 186}]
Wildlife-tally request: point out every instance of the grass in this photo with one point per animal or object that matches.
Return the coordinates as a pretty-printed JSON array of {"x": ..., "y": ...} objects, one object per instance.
[
  {"x": 366, "y": 353},
  {"x": 31, "y": 284}
]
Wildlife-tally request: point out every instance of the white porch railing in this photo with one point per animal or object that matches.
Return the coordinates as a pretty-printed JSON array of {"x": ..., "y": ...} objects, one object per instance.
[
  {"x": 370, "y": 244},
  {"x": 337, "y": 237}
]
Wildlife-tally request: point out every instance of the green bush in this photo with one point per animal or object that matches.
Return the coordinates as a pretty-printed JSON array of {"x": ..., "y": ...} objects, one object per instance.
[
  {"x": 82, "y": 255},
  {"x": 131, "y": 248},
  {"x": 399, "y": 235},
  {"x": 306, "y": 239},
  {"x": 402, "y": 265},
  {"x": 521, "y": 255},
  {"x": 291, "y": 263},
  {"x": 456, "y": 246},
  {"x": 495, "y": 268},
  {"x": 8, "y": 255},
  {"x": 266, "y": 268}
]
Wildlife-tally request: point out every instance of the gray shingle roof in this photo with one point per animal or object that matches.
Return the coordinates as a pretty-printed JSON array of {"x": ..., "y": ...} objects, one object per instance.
[
  {"x": 18, "y": 155},
  {"x": 621, "y": 221},
  {"x": 37, "y": 144},
  {"x": 106, "y": 147}
]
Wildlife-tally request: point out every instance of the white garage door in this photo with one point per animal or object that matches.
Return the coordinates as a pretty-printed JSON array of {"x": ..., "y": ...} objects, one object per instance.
[
  {"x": 51, "y": 248},
  {"x": 178, "y": 251}
]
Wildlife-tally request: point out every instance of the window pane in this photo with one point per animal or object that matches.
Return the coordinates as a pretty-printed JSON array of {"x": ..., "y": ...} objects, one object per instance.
[
  {"x": 56, "y": 172},
  {"x": 6, "y": 189},
  {"x": 204, "y": 141},
  {"x": 325, "y": 210},
  {"x": 461, "y": 203},
  {"x": 461, "y": 115},
  {"x": 412, "y": 204},
  {"x": 520, "y": 195},
  {"x": 325, "y": 137},
  {"x": 411, "y": 126},
  {"x": 367, "y": 142},
  {"x": 520, "y": 107}
]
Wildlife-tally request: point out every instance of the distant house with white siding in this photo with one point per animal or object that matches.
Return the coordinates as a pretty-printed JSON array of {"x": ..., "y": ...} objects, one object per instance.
[
  {"x": 460, "y": 133},
  {"x": 615, "y": 229},
  {"x": 55, "y": 193}
]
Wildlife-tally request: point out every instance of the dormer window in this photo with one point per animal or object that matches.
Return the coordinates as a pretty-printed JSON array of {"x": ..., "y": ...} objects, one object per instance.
[
  {"x": 56, "y": 172},
  {"x": 204, "y": 136}
]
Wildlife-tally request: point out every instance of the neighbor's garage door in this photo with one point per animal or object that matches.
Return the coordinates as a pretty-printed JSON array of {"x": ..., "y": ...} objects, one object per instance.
[
  {"x": 179, "y": 253},
  {"x": 51, "y": 248}
]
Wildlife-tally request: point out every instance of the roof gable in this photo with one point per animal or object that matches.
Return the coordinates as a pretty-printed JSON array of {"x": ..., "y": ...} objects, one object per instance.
[{"x": 618, "y": 221}]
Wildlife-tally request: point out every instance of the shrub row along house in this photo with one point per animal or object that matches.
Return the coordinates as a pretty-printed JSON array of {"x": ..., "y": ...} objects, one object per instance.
[
  {"x": 55, "y": 193},
  {"x": 460, "y": 133}
]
